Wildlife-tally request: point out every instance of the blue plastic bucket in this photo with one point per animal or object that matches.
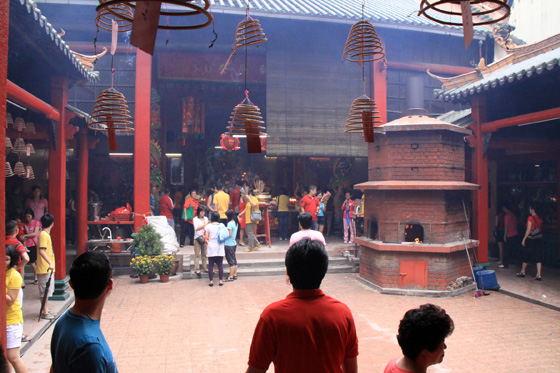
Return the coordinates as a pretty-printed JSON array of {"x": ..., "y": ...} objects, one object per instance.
[{"x": 486, "y": 280}]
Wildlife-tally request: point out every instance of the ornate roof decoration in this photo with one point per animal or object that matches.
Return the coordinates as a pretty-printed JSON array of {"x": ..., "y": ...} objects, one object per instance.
[
  {"x": 521, "y": 61},
  {"x": 56, "y": 39}
]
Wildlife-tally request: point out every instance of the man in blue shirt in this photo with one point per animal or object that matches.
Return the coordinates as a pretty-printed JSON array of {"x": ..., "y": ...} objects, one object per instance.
[{"x": 77, "y": 343}]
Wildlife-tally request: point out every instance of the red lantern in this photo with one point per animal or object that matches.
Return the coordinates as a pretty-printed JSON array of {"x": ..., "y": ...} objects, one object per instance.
[
  {"x": 263, "y": 143},
  {"x": 229, "y": 142}
]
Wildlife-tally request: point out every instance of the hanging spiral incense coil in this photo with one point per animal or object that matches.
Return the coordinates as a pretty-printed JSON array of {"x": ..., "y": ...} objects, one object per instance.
[
  {"x": 249, "y": 32},
  {"x": 19, "y": 169},
  {"x": 8, "y": 143},
  {"x": 195, "y": 10},
  {"x": 363, "y": 44},
  {"x": 30, "y": 149},
  {"x": 29, "y": 127},
  {"x": 19, "y": 124},
  {"x": 120, "y": 13},
  {"x": 19, "y": 146},
  {"x": 112, "y": 111},
  {"x": 29, "y": 174},
  {"x": 362, "y": 117},
  {"x": 9, "y": 119},
  {"x": 88, "y": 61},
  {"x": 242, "y": 114},
  {"x": 9, "y": 171},
  {"x": 452, "y": 8}
]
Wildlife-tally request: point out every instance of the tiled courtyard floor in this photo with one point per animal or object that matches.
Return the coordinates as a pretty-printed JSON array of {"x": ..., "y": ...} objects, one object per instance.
[{"x": 186, "y": 326}]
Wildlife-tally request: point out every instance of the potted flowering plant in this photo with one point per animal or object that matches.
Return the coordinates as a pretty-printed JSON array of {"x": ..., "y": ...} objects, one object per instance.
[
  {"x": 143, "y": 267},
  {"x": 163, "y": 265}
]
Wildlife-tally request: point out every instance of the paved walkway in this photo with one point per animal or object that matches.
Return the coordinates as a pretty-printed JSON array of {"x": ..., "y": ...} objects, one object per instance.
[{"x": 185, "y": 326}]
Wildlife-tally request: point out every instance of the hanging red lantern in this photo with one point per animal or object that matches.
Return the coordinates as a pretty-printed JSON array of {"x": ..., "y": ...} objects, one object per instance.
[
  {"x": 229, "y": 142},
  {"x": 263, "y": 144}
]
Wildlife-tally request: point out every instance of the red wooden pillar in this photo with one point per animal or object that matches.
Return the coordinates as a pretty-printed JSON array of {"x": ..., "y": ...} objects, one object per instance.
[
  {"x": 379, "y": 87},
  {"x": 142, "y": 137},
  {"x": 480, "y": 177},
  {"x": 82, "y": 197},
  {"x": 57, "y": 176},
  {"x": 4, "y": 28}
]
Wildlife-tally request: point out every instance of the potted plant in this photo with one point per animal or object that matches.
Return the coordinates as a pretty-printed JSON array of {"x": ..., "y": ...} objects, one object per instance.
[
  {"x": 163, "y": 265},
  {"x": 143, "y": 266},
  {"x": 147, "y": 241}
]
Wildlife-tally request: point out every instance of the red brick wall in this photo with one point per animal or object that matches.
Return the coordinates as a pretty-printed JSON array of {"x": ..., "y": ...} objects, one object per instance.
[
  {"x": 383, "y": 267},
  {"x": 417, "y": 155},
  {"x": 439, "y": 212}
]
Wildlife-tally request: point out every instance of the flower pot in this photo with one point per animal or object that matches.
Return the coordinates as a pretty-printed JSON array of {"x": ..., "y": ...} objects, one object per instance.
[
  {"x": 144, "y": 279},
  {"x": 175, "y": 267},
  {"x": 164, "y": 278}
]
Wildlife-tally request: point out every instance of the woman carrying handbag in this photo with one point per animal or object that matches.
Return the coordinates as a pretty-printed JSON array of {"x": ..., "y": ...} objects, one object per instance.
[{"x": 532, "y": 243}]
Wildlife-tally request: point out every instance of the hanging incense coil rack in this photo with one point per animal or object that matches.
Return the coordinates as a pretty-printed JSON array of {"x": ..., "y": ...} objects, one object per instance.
[
  {"x": 19, "y": 146},
  {"x": 120, "y": 13},
  {"x": 9, "y": 171},
  {"x": 19, "y": 169},
  {"x": 441, "y": 11},
  {"x": 88, "y": 61},
  {"x": 363, "y": 44},
  {"x": 249, "y": 32},
  {"x": 194, "y": 11},
  {"x": 361, "y": 110},
  {"x": 243, "y": 113},
  {"x": 111, "y": 112}
]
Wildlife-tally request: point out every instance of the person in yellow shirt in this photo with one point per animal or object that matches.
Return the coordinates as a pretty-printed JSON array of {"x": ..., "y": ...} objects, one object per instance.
[
  {"x": 45, "y": 262},
  {"x": 14, "y": 316},
  {"x": 251, "y": 225},
  {"x": 283, "y": 208},
  {"x": 221, "y": 201}
]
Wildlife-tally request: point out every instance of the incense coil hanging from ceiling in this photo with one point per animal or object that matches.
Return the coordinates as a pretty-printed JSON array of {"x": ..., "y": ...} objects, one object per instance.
[
  {"x": 363, "y": 44},
  {"x": 245, "y": 113},
  {"x": 358, "y": 120},
  {"x": 111, "y": 110},
  {"x": 120, "y": 13},
  {"x": 194, "y": 11},
  {"x": 249, "y": 32},
  {"x": 9, "y": 171},
  {"x": 452, "y": 8}
]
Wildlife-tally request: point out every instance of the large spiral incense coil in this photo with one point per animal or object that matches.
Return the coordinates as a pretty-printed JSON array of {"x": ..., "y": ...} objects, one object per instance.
[
  {"x": 120, "y": 13},
  {"x": 8, "y": 143},
  {"x": 9, "y": 171},
  {"x": 19, "y": 169},
  {"x": 243, "y": 113},
  {"x": 29, "y": 128},
  {"x": 249, "y": 32},
  {"x": 19, "y": 124},
  {"x": 362, "y": 117},
  {"x": 195, "y": 10},
  {"x": 442, "y": 11},
  {"x": 88, "y": 61},
  {"x": 363, "y": 44},
  {"x": 9, "y": 120},
  {"x": 112, "y": 111},
  {"x": 29, "y": 174},
  {"x": 19, "y": 146}
]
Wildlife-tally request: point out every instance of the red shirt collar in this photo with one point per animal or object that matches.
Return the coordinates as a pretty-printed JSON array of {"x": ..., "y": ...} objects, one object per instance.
[{"x": 306, "y": 294}]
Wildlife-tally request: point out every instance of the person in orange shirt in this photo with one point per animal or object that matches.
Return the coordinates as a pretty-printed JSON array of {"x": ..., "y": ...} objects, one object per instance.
[
  {"x": 221, "y": 200},
  {"x": 189, "y": 211}
]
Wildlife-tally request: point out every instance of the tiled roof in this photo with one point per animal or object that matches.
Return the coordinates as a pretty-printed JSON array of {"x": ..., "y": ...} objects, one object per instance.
[
  {"x": 388, "y": 13},
  {"x": 524, "y": 61},
  {"x": 41, "y": 22}
]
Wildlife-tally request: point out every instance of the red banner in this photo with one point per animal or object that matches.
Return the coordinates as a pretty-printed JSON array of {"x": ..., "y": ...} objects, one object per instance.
[{"x": 207, "y": 67}]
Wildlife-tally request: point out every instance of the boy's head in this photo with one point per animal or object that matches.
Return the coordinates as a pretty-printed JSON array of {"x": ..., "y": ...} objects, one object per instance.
[
  {"x": 12, "y": 256},
  {"x": 47, "y": 221},
  {"x": 305, "y": 220},
  {"x": 11, "y": 228},
  {"x": 90, "y": 275},
  {"x": 219, "y": 186},
  {"x": 215, "y": 217},
  {"x": 312, "y": 190},
  {"x": 423, "y": 330},
  {"x": 306, "y": 264}
]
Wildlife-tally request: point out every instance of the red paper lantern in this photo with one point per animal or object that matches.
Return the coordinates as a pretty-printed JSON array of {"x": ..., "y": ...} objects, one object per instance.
[
  {"x": 229, "y": 142},
  {"x": 263, "y": 144}
]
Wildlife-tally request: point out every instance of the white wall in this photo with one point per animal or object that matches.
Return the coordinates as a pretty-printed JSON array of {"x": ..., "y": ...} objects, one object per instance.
[{"x": 535, "y": 19}]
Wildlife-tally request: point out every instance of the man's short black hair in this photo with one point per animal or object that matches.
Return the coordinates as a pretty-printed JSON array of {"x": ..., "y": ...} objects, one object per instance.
[
  {"x": 12, "y": 253},
  {"x": 214, "y": 216},
  {"x": 47, "y": 220},
  {"x": 219, "y": 185},
  {"x": 312, "y": 187},
  {"x": 305, "y": 219},
  {"x": 239, "y": 182},
  {"x": 199, "y": 209},
  {"x": 29, "y": 212},
  {"x": 90, "y": 274},
  {"x": 11, "y": 226},
  {"x": 307, "y": 263},
  {"x": 425, "y": 327}
]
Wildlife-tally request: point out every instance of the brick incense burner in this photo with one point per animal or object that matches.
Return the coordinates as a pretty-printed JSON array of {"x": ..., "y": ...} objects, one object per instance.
[{"x": 417, "y": 183}]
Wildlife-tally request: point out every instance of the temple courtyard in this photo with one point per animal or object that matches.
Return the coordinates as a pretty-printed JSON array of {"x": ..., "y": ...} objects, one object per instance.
[{"x": 185, "y": 326}]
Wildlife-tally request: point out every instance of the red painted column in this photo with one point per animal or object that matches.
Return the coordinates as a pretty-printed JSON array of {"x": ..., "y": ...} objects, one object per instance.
[
  {"x": 57, "y": 176},
  {"x": 142, "y": 137},
  {"x": 4, "y": 28},
  {"x": 82, "y": 195},
  {"x": 480, "y": 177}
]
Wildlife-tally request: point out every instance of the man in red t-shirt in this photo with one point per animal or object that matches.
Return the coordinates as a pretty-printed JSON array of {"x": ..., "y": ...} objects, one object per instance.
[
  {"x": 11, "y": 231},
  {"x": 234, "y": 196},
  {"x": 310, "y": 203},
  {"x": 308, "y": 331},
  {"x": 166, "y": 207}
]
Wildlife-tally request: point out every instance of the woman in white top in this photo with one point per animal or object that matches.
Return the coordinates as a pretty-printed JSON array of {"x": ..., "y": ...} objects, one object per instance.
[
  {"x": 200, "y": 222},
  {"x": 216, "y": 250}
]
